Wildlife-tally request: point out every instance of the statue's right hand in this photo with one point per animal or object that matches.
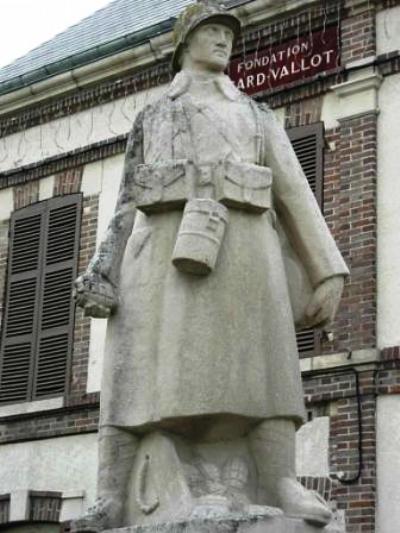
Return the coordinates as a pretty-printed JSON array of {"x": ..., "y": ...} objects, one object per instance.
[{"x": 95, "y": 294}]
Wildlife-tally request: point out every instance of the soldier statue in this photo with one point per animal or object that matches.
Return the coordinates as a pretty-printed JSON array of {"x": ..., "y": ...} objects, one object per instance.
[{"x": 194, "y": 279}]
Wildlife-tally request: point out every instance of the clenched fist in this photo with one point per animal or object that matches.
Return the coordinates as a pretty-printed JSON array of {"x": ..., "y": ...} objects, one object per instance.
[
  {"x": 95, "y": 294},
  {"x": 324, "y": 303}
]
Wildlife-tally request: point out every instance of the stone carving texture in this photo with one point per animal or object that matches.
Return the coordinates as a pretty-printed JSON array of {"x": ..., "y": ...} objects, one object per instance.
[{"x": 201, "y": 393}]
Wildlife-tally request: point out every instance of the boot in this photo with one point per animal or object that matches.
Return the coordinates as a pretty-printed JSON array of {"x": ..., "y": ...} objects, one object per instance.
[
  {"x": 273, "y": 447},
  {"x": 117, "y": 449}
]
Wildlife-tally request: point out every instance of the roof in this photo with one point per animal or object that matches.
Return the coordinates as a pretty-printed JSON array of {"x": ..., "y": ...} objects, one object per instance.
[{"x": 120, "y": 25}]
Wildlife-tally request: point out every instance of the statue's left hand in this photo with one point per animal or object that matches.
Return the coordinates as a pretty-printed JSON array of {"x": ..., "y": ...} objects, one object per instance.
[{"x": 324, "y": 303}]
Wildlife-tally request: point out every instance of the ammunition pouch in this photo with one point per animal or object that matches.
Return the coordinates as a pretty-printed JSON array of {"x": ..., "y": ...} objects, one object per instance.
[
  {"x": 204, "y": 191},
  {"x": 162, "y": 187}
]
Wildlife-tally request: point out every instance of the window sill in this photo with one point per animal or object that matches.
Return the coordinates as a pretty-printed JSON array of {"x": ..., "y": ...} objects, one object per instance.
[
  {"x": 343, "y": 359},
  {"x": 31, "y": 407}
]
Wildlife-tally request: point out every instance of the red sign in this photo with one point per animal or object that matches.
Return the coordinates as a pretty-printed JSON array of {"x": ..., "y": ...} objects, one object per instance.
[{"x": 290, "y": 61}]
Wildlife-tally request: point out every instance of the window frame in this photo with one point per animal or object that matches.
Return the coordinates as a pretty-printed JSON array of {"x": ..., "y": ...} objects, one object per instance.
[{"x": 44, "y": 209}]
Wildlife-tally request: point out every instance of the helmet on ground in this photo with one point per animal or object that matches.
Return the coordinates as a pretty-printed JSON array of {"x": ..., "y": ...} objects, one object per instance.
[{"x": 193, "y": 16}]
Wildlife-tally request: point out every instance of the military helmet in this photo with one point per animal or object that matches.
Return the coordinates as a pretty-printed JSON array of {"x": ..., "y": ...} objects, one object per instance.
[{"x": 194, "y": 15}]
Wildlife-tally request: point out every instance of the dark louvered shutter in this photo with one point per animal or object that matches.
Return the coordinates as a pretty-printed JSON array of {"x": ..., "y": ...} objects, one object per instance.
[
  {"x": 21, "y": 310},
  {"x": 38, "y": 320},
  {"x": 307, "y": 142},
  {"x": 57, "y": 307}
]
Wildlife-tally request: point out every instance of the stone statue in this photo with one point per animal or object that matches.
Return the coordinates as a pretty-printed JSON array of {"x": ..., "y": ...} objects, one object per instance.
[{"x": 201, "y": 393}]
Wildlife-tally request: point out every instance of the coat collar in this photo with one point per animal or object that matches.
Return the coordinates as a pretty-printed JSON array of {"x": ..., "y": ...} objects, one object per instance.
[{"x": 182, "y": 81}]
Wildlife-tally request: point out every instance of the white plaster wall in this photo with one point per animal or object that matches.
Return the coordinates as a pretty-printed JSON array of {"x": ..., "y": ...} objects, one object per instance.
[
  {"x": 388, "y": 464},
  {"x": 6, "y": 203},
  {"x": 312, "y": 448},
  {"x": 75, "y": 131},
  {"x": 388, "y": 30},
  {"x": 329, "y": 112},
  {"x": 60, "y": 464},
  {"x": 388, "y": 213},
  {"x": 110, "y": 172},
  {"x": 46, "y": 187}
]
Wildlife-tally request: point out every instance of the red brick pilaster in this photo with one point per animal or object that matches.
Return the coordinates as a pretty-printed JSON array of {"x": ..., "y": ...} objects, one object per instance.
[
  {"x": 358, "y": 37},
  {"x": 26, "y": 194},
  {"x": 68, "y": 182},
  {"x": 350, "y": 210}
]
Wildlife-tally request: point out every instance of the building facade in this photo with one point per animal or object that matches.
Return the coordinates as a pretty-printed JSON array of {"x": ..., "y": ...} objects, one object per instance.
[{"x": 331, "y": 72}]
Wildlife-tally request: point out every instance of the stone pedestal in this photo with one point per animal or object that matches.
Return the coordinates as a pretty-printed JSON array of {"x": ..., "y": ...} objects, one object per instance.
[{"x": 234, "y": 523}]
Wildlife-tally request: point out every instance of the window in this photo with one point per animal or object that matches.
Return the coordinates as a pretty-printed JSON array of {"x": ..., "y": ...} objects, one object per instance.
[
  {"x": 37, "y": 328},
  {"x": 307, "y": 142}
]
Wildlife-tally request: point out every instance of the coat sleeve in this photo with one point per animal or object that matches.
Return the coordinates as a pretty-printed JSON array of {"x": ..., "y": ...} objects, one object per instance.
[
  {"x": 297, "y": 207},
  {"x": 108, "y": 257}
]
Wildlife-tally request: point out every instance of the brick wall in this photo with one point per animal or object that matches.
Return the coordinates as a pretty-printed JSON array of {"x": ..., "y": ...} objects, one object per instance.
[
  {"x": 47, "y": 424},
  {"x": 358, "y": 39},
  {"x": 26, "y": 194},
  {"x": 350, "y": 210},
  {"x": 349, "y": 205},
  {"x": 351, "y": 401},
  {"x": 68, "y": 182}
]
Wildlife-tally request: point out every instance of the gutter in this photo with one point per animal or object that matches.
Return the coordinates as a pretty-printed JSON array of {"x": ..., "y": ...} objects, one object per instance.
[{"x": 88, "y": 56}]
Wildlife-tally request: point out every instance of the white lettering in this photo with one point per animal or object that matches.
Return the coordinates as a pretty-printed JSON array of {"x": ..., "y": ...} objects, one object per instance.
[
  {"x": 293, "y": 68},
  {"x": 241, "y": 84},
  {"x": 275, "y": 73},
  {"x": 316, "y": 60},
  {"x": 305, "y": 46},
  {"x": 240, "y": 67},
  {"x": 250, "y": 81},
  {"x": 303, "y": 65},
  {"x": 327, "y": 55},
  {"x": 284, "y": 71},
  {"x": 295, "y": 49},
  {"x": 260, "y": 79}
]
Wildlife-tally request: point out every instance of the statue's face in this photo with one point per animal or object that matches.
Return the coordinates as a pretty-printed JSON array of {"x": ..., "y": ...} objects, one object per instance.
[{"x": 209, "y": 47}]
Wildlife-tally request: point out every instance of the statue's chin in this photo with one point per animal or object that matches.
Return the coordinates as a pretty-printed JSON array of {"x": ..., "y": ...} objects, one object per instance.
[
  {"x": 218, "y": 64},
  {"x": 215, "y": 65}
]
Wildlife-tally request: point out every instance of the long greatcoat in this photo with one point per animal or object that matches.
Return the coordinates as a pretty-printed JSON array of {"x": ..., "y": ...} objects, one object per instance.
[{"x": 181, "y": 345}]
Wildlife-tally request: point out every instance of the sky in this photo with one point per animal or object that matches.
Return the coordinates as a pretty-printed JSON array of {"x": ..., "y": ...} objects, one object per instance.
[{"x": 25, "y": 24}]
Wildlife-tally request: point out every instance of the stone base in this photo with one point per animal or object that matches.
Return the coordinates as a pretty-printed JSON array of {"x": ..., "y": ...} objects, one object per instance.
[{"x": 234, "y": 523}]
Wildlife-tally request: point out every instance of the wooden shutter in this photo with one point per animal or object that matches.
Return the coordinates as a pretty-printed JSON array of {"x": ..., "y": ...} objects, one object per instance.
[
  {"x": 38, "y": 320},
  {"x": 21, "y": 310},
  {"x": 307, "y": 142},
  {"x": 59, "y": 268}
]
